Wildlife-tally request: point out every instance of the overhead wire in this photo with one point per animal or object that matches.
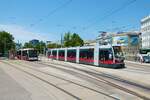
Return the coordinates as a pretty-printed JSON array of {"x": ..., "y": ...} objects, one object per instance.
[
  {"x": 109, "y": 14},
  {"x": 51, "y": 12}
]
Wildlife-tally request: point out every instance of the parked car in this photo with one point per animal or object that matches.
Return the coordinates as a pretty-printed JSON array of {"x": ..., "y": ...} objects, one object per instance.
[{"x": 146, "y": 59}]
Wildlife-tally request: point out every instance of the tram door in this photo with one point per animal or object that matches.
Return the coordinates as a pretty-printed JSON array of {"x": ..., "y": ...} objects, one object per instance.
[
  {"x": 54, "y": 54},
  {"x": 105, "y": 56},
  {"x": 86, "y": 56},
  {"x": 49, "y": 54},
  {"x": 24, "y": 55},
  {"x": 61, "y": 55},
  {"x": 71, "y": 55},
  {"x": 19, "y": 54}
]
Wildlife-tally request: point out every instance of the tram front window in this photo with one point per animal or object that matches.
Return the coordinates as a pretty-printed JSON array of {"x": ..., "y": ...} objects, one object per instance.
[
  {"x": 105, "y": 54},
  {"x": 33, "y": 53},
  {"x": 24, "y": 53}
]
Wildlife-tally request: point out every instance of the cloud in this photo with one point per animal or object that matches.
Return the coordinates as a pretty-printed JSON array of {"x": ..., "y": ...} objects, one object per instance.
[{"x": 22, "y": 34}]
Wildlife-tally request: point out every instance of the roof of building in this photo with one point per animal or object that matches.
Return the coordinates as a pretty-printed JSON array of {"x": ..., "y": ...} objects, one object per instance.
[
  {"x": 128, "y": 33},
  {"x": 89, "y": 41},
  {"x": 145, "y": 18}
]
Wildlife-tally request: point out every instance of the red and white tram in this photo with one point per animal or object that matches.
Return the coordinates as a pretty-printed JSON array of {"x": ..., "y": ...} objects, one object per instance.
[
  {"x": 103, "y": 56},
  {"x": 29, "y": 54}
]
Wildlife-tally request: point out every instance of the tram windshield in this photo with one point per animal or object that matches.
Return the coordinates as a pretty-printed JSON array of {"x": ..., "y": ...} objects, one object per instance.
[
  {"x": 33, "y": 53},
  {"x": 24, "y": 53},
  {"x": 118, "y": 52}
]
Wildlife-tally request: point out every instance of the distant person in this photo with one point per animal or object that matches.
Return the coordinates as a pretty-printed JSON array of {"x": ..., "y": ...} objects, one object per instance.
[
  {"x": 110, "y": 56},
  {"x": 141, "y": 59}
]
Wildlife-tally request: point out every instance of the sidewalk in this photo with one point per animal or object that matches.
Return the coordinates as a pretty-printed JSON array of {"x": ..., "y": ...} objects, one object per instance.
[
  {"x": 133, "y": 62},
  {"x": 10, "y": 89}
]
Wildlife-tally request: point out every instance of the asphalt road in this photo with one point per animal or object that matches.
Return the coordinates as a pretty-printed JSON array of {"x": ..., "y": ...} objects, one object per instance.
[{"x": 56, "y": 80}]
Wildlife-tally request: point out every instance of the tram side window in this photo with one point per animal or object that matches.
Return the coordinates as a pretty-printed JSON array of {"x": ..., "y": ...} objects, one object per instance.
[
  {"x": 82, "y": 54},
  {"x": 62, "y": 53},
  {"x": 88, "y": 54},
  {"x": 101, "y": 55},
  {"x": 54, "y": 53},
  {"x": 105, "y": 55},
  {"x": 71, "y": 54}
]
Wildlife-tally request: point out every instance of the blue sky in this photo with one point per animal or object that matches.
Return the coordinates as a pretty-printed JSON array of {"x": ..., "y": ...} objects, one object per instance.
[{"x": 34, "y": 19}]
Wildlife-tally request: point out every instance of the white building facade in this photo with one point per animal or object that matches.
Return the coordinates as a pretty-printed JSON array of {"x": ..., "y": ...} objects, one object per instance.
[{"x": 145, "y": 29}]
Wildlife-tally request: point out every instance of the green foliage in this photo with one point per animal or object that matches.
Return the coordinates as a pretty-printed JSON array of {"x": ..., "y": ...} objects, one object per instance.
[
  {"x": 71, "y": 40},
  {"x": 53, "y": 45},
  {"x": 6, "y": 42},
  {"x": 39, "y": 46},
  {"x": 28, "y": 45},
  {"x": 67, "y": 39}
]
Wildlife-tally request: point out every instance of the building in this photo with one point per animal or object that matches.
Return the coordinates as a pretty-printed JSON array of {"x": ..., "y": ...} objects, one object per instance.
[
  {"x": 89, "y": 42},
  {"x": 145, "y": 29},
  {"x": 105, "y": 38},
  {"x": 34, "y": 41},
  {"x": 130, "y": 42}
]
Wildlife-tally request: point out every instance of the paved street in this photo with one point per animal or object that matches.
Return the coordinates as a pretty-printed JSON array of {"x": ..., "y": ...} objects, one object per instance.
[{"x": 56, "y": 80}]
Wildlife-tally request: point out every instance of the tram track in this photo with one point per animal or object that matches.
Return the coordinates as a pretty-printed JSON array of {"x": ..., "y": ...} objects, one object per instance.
[
  {"x": 104, "y": 75},
  {"x": 100, "y": 76},
  {"x": 43, "y": 80},
  {"x": 58, "y": 78},
  {"x": 97, "y": 77}
]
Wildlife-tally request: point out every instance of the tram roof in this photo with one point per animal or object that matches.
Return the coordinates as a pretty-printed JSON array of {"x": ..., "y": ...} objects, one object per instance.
[{"x": 83, "y": 47}]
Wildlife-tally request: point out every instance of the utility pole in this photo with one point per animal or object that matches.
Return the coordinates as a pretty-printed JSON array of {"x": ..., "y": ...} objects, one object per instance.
[
  {"x": 4, "y": 46},
  {"x": 61, "y": 40}
]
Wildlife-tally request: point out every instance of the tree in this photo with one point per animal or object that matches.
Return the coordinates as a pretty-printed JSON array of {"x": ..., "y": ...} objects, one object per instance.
[
  {"x": 28, "y": 45},
  {"x": 39, "y": 46},
  {"x": 53, "y": 45},
  {"x": 71, "y": 40},
  {"x": 6, "y": 42},
  {"x": 76, "y": 40},
  {"x": 67, "y": 39}
]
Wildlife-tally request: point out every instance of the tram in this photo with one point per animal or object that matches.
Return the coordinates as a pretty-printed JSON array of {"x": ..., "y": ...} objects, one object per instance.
[
  {"x": 61, "y": 54},
  {"x": 102, "y": 56},
  {"x": 71, "y": 55},
  {"x": 29, "y": 54},
  {"x": 86, "y": 55},
  {"x": 52, "y": 54}
]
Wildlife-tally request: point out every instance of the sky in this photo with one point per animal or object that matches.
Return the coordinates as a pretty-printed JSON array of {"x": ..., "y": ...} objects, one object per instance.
[{"x": 46, "y": 20}]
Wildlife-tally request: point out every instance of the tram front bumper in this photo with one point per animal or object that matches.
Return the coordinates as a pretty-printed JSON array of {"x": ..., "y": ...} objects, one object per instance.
[
  {"x": 33, "y": 59},
  {"x": 115, "y": 66}
]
